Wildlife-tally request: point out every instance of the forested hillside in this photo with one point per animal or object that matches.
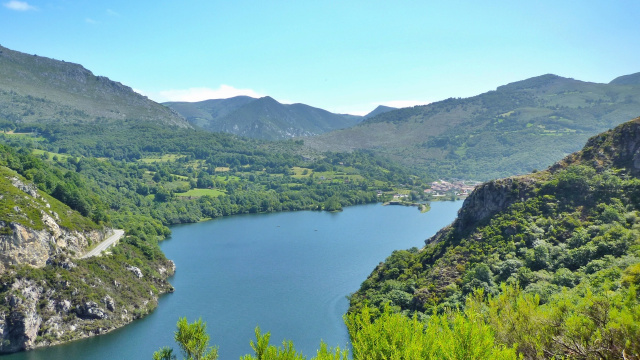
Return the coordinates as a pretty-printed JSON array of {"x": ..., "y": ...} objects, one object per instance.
[
  {"x": 550, "y": 261},
  {"x": 515, "y": 129}
]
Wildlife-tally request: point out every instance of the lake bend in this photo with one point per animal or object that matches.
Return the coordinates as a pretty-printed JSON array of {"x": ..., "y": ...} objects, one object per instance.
[{"x": 290, "y": 273}]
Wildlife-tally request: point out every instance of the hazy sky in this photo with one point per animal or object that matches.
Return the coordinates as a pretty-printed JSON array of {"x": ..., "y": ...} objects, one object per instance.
[{"x": 344, "y": 56}]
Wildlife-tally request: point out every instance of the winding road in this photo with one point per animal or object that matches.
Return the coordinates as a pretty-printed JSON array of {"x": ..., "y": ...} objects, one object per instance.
[{"x": 117, "y": 234}]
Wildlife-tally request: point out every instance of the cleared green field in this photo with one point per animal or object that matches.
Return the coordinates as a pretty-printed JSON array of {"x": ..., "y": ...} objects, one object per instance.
[
  {"x": 163, "y": 158},
  {"x": 50, "y": 155},
  {"x": 339, "y": 176},
  {"x": 201, "y": 192},
  {"x": 227, "y": 178},
  {"x": 173, "y": 185},
  {"x": 23, "y": 135},
  {"x": 299, "y": 172}
]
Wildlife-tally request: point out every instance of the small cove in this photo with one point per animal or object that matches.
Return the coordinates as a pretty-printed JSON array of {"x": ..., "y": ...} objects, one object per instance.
[{"x": 289, "y": 273}]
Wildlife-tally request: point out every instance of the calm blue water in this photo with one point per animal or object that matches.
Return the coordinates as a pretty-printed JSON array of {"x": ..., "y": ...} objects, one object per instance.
[{"x": 289, "y": 273}]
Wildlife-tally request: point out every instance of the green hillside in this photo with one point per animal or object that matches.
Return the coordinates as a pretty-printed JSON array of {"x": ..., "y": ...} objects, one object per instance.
[
  {"x": 27, "y": 211},
  {"x": 263, "y": 118},
  {"x": 555, "y": 254},
  {"x": 517, "y": 128},
  {"x": 36, "y": 89}
]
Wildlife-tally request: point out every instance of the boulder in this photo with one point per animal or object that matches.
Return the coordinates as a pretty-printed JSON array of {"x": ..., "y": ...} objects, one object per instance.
[{"x": 136, "y": 271}]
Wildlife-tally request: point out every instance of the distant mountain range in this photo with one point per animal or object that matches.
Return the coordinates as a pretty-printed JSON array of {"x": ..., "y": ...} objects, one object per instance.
[
  {"x": 264, "y": 118},
  {"x": 39, "y": 89},
  {"x": 517, "y": 128}
]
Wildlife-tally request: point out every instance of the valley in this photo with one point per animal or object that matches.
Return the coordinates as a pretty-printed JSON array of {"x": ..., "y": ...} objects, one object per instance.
[{"x": 83, "y": 157}]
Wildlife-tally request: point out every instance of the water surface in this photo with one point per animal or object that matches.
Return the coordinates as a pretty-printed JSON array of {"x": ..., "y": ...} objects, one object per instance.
[{"x": 289, "y": 273}]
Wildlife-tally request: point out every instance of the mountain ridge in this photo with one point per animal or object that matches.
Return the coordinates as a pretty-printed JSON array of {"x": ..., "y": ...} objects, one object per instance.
[
  {"x": 380, "y": 109},
  {"x": 263, "y": 118},
  {"x": 40, "y": 89},
  {"x": 631, "y": 79},
  {"x": 518, "y": 127}
]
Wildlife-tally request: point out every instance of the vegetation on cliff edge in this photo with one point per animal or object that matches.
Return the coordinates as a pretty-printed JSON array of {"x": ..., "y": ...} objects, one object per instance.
[{"x": 557, "y": 265}]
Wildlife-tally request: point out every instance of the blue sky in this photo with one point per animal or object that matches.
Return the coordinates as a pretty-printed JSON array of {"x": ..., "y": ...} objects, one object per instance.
[{"x": 344, "y": 56}]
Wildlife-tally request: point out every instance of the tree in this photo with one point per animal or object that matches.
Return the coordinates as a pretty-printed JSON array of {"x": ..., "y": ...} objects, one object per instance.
[
  {"x": 264, "y": 351},
  {"x": 162, "y": 195},
  {"x": 193, "y": 341},
  {"x": 165, "y": 353},
  {"x": 332, "y": 204}
]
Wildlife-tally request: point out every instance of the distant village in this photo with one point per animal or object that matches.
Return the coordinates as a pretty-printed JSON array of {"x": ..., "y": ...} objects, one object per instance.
[
  {"x": 461, "y": 188},
  {"x": 439, "y": 189}
]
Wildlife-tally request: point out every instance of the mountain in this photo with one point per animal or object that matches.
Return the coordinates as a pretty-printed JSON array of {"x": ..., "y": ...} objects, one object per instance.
[
  {"x": 203, "y": 113},
  {"x": 379, "y": 110},
  {"x": 557, "y": 251},
  {"x": 633, "y": 79},
  {"x": 262, "y": 118},
  {"x": 517, "y": 128},
  {"x": 39, "y": 89}
]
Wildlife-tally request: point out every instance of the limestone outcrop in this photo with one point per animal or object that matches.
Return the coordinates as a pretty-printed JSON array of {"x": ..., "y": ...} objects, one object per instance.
[
  {"x": 21, "y": 243},
  {"x": 37, "y": 314},
  {"x": 48, "y": 294},
  {"x": 35, "y": 247}
]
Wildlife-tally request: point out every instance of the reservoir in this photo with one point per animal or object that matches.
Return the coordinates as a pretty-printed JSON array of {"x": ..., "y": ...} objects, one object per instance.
[{"x": 289, "y": 273}]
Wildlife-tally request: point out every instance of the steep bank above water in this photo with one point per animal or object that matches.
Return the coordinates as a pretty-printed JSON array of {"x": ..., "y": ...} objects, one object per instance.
[{"x": 47, "y": 295}]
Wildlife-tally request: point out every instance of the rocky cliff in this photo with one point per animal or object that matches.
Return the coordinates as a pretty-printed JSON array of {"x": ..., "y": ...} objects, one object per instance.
[
  {"x": 44, "y": 312},
  {"x": 35, "y": 247},
  {"x": 487, "y": 200},
  {"x": 47, "y": 294},
  {"x": 616, "y": 148},
  {"x": 30, "y": 232}
]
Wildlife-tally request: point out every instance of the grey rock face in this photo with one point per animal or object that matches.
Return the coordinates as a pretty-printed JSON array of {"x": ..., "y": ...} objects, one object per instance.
[
  {"x": 30, "y": 189},
  {"x": 487, "y": 200},
  {"x": 109, "y": 303},
  {"x": 90, "y": 310},
  {"x": 63, "y": 306},
  {"x": 136, "y": 271},
  {"x": 491, "y": 198},
  {"x": 20, "y": 326}
]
